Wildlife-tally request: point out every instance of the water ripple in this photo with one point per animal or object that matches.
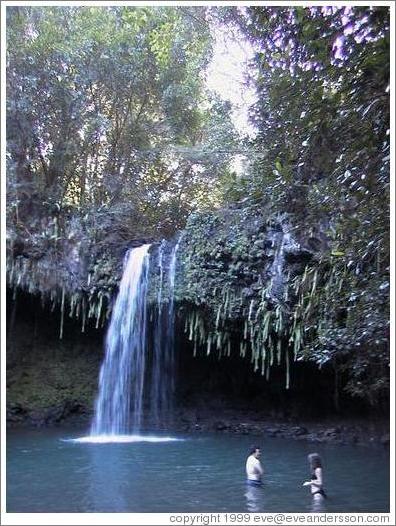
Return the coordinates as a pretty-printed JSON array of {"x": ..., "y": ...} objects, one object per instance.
[{"x": 122, "y": 439}]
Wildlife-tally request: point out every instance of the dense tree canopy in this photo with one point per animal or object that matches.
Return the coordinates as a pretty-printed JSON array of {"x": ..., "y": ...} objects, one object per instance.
[{"x": 103, "y": 106}]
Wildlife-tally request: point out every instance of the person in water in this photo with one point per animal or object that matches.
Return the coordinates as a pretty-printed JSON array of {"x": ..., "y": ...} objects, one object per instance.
[
  {"x": 316, "y": 482},
  {"x": 254, "y": 469}
]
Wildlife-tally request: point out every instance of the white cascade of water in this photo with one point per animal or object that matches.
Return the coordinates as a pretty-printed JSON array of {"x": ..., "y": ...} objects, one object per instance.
[
  {"x": 119, "y": 405},
  {"x": 163, "y": 367}
]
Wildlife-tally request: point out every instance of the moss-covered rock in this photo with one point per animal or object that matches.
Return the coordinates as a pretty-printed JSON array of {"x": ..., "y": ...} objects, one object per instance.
[
  {"x": 49, "y": 380},
  {"x": 248, "y": 283}
]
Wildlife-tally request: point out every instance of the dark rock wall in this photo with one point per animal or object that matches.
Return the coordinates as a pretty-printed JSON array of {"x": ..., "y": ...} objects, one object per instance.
[
  {"x": 49, "y": 380},
  {"x": 216, "y": 383}
]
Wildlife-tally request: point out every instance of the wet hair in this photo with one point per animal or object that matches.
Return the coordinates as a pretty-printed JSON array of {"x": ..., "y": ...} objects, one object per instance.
[
  {"x": 253, "y": 449},
  {"x": 314, "y": 461}
]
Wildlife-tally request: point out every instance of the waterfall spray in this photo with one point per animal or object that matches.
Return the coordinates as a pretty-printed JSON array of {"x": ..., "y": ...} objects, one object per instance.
[
  {"x": 163, "y": 372},
  {"x": 123, "y": 377},
  {"x": 119, "y": 405}
]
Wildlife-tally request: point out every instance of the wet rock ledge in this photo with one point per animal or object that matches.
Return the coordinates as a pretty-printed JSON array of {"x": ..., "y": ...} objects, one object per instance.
[{"x": 337, "y": 431}]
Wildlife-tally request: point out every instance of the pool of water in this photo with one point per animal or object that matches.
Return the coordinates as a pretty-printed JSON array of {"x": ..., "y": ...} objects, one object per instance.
[{"x": 47, "y": 471}]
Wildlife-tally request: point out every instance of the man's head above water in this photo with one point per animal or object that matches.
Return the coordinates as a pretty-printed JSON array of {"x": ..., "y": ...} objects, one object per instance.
[{"x": 255, "y": 451}]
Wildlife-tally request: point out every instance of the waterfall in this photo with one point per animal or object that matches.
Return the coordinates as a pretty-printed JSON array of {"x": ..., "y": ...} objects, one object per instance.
[
  {"x": 282, "y": 242},
  {"x": 157, "y": 393},
  {"x": 277, "y": 287},
  {"x": 126, "y": 365},
  {"x": 119, "y": 405},
  {"x": 170, "y": 336},
  {"x": 163, "y": 345}
]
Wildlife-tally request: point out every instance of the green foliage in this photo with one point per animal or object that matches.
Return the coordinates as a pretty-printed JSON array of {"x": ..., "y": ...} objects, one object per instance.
[
  {"x": 226, "y": 288},
  {"x": 97, "y": 100},
  {"x": 109, "y": 131},
  {"x": 322, "y": 117}
]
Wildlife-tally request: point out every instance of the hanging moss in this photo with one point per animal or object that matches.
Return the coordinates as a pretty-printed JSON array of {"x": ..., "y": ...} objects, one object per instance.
[
  {"x": 62, "y": 314},
  {"x": 230, "y": 295},
  {"x": 58, "y": 288},
  {"x": 227, "y": 279}
]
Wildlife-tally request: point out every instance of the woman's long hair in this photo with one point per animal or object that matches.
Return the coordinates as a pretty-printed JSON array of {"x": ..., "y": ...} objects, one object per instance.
[{"x": 314, "y": 461}]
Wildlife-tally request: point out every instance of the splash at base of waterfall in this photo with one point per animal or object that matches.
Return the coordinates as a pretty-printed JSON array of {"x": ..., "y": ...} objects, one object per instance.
[{"x": 122, "y": 439}]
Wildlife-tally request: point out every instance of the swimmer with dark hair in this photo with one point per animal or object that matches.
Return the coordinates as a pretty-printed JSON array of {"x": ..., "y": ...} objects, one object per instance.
[
  {"x": 254, "y": 469},
  {"x": 316, "y": 482}
]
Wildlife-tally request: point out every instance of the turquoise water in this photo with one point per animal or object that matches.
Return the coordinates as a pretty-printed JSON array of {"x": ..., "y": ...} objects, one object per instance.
[{"x": 201, "y": 473}]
